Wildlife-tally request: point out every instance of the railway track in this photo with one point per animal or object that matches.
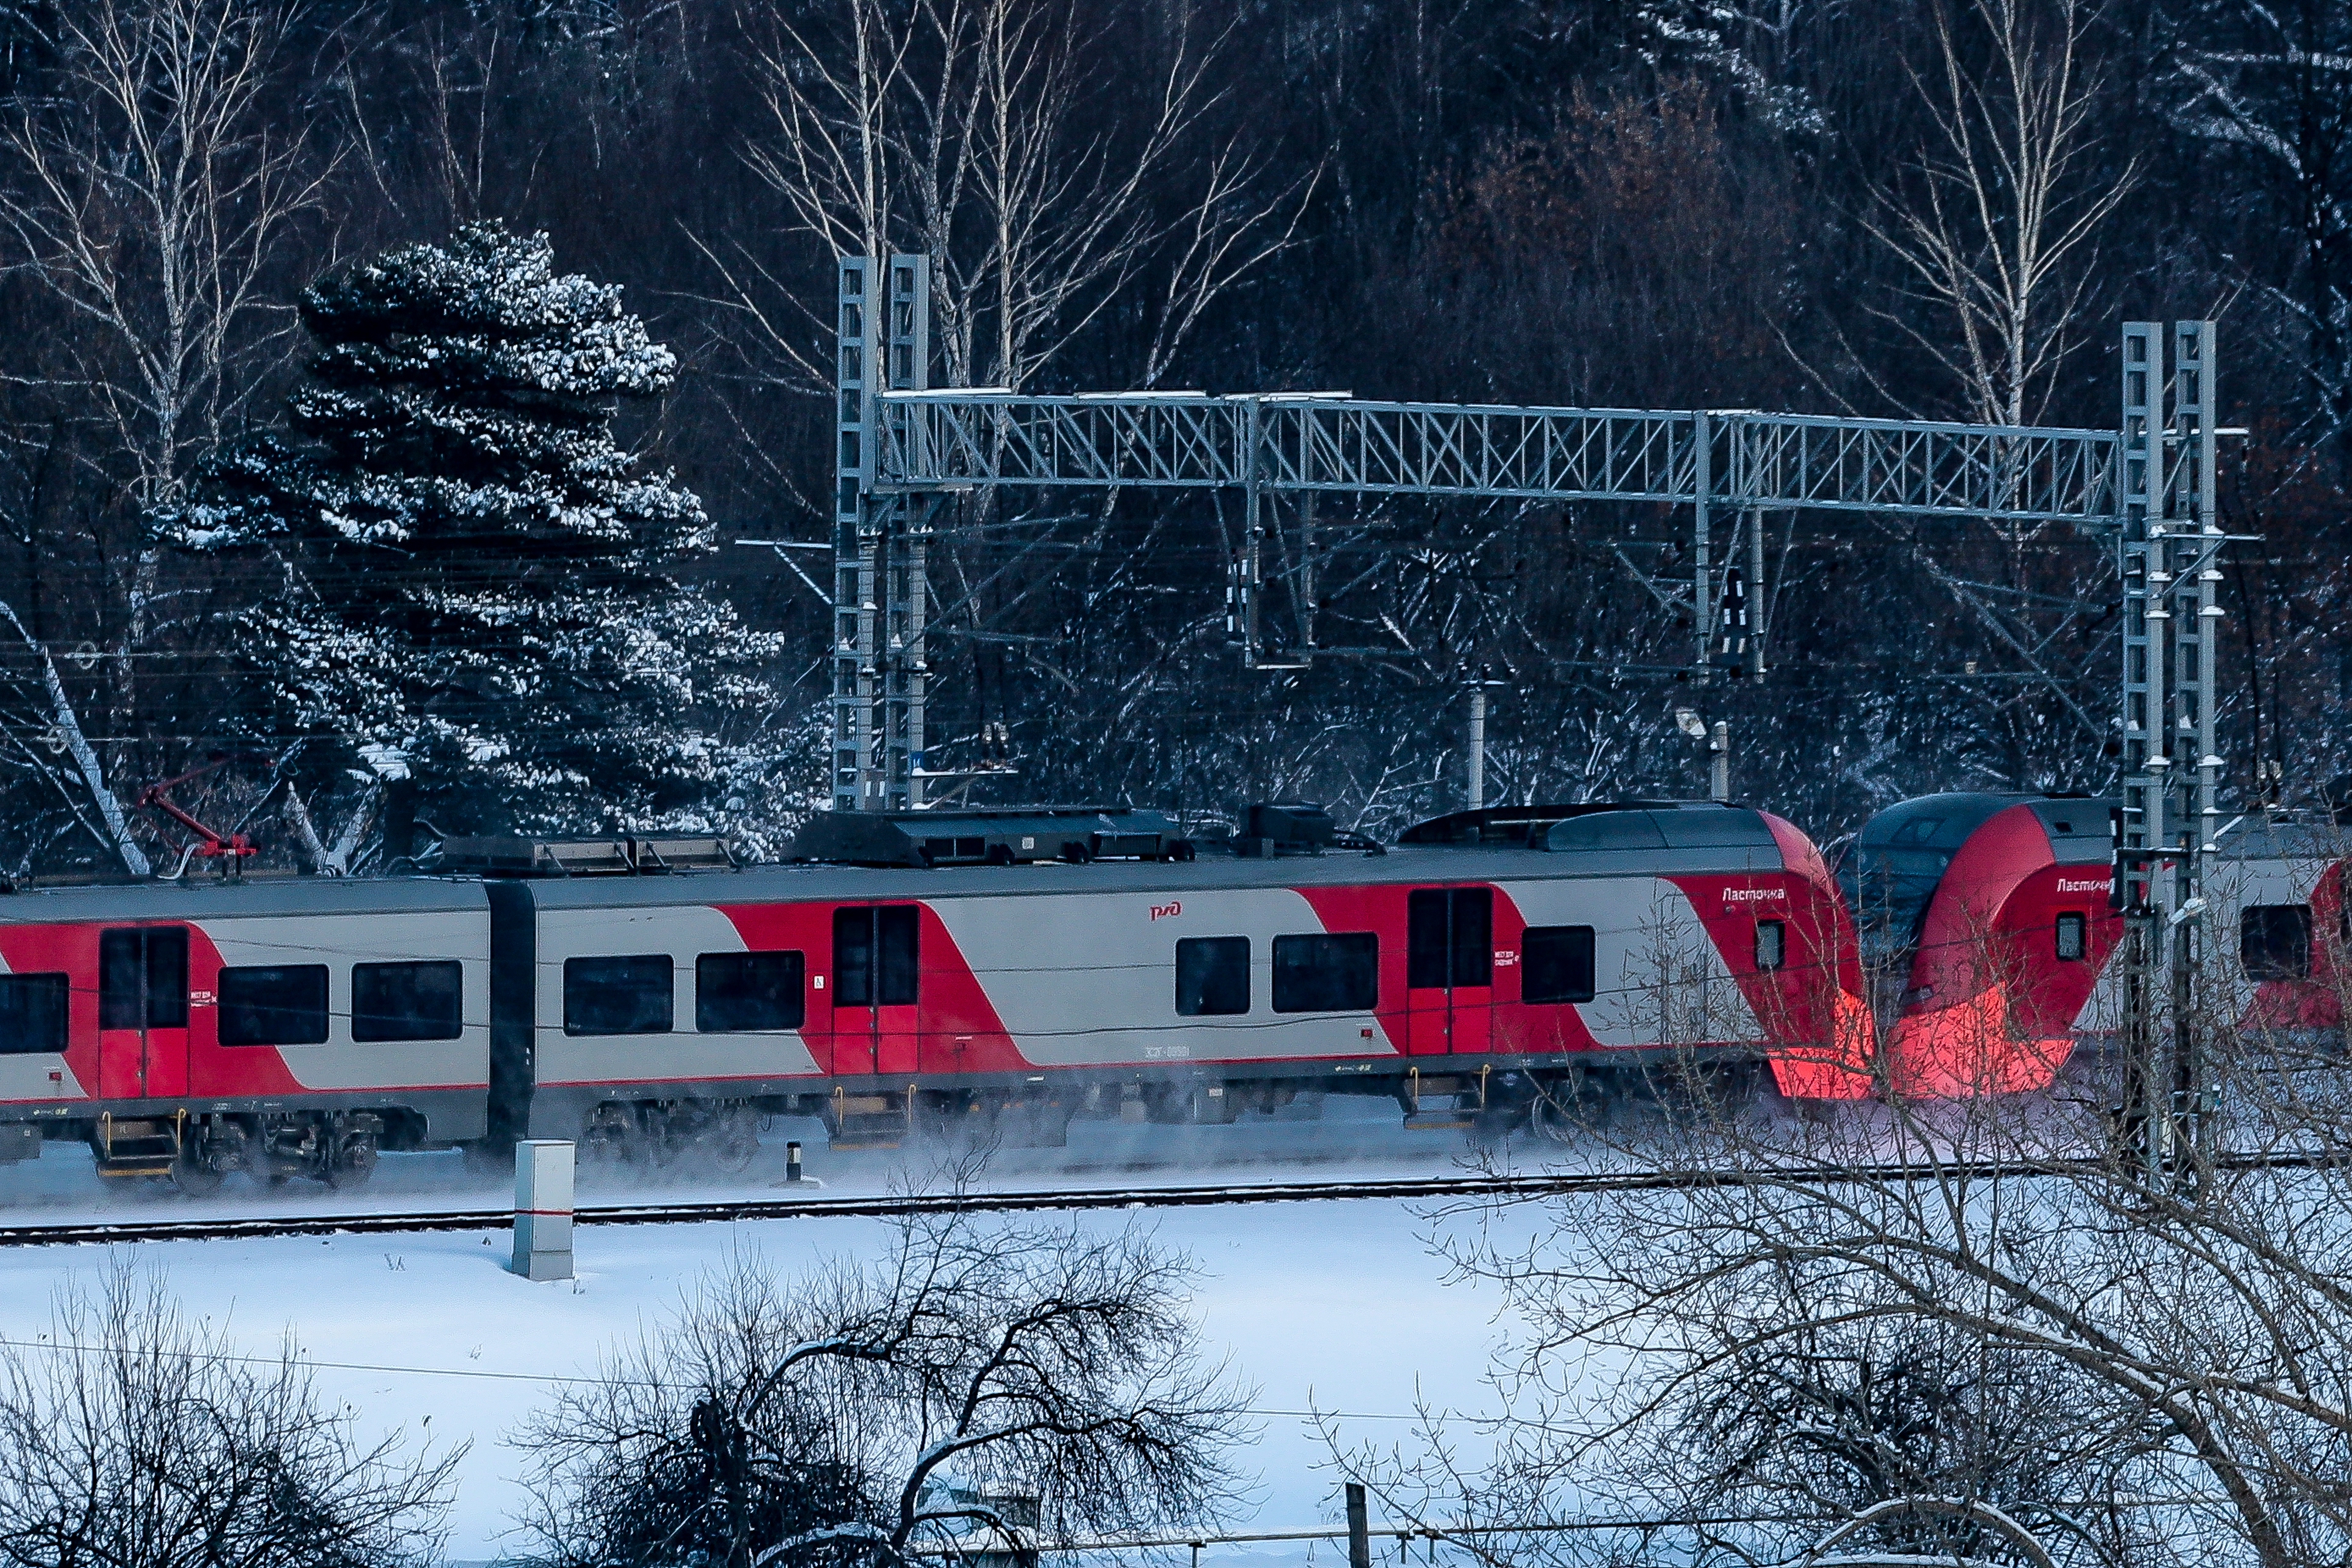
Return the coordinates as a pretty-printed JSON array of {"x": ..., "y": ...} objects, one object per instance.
[
  {"x": 893, "y": 1206},
  {"x": 804, "y": 1206}
]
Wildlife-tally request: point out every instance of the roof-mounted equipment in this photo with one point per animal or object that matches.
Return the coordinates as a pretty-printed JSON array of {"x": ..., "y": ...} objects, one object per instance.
[
  {"x": 993, "y": 836},
  {"x": 1293, "y": 828},
  {"x": 1612, "y": 824},
  {"x": 504, "y": 854},
  {"x": 1511, "y": 826}
]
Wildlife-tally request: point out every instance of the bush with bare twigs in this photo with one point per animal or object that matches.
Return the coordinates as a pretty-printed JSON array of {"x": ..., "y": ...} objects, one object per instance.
[
  {"x": 139, "y": 1438},
  {"x": 847, "y": 1419}
]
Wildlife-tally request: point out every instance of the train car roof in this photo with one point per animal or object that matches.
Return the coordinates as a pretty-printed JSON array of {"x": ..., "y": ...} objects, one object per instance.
[
  {"x": 186, "y": 901},
  {"x": 761, "y": 884},
  {"x": 1637, "y": 842},
  {"x": 1945, "y": 821},
  {"x": 2284, "y": 835}
]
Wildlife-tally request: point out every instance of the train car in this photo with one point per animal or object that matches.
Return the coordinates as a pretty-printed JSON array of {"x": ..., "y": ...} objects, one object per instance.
[
  {"x": 1485, "y": 953},
  {"x": 1988, "y": 925},
  {"x": 291, "y": 1027},
  {"x": 1019, "y": 966},
  {"x": 1984, "y": 927},
  {"x": 2275, "y": 910}
]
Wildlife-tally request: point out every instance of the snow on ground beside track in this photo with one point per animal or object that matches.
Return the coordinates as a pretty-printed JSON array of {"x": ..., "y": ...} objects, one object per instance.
[
  {"x": 1350, "y": 1138},
  {"x": 1336, "y": 1306}
]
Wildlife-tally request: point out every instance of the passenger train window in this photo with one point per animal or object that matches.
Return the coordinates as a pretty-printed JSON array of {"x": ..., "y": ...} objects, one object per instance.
[
  {"x": 280, "y": 1004},
  {"x": 1339, "y": 973},
  {"x": 737, "y": 993},
  {"x": 2275, "y": 941},
  {"x": 2074, "y": 936},
  {"x": 1449, "y": 937},
  {"x": 143, "y": 978},
  {"x": 1213, "y": 976},
  {"x": 1556, "y": 965},
  {"x": 408, "y": 1001},
  {"x": 1771, "y": 945},
  {"x": 874, "y": 956},
  {"x": 634, "y": 995},
  {"x": 33, "y": 1014}
]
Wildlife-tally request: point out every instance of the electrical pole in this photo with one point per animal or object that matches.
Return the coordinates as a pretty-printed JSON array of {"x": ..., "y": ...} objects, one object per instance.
[
  {"x": 2168, "y": 548},
  {"x": 1478, "y": 792},
  {"x": 880, "y": 677}
]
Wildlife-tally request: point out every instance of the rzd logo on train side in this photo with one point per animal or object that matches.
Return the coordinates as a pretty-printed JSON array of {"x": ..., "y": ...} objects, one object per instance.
[{"x": 1162, "y": 912}]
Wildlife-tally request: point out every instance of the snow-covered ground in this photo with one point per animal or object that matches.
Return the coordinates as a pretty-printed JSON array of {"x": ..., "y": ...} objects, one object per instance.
[{"x": 1330, "y": 1306}]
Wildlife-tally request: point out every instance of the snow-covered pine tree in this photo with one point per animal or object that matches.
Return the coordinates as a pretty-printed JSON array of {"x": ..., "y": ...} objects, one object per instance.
[{"x": 479, "y": 600}]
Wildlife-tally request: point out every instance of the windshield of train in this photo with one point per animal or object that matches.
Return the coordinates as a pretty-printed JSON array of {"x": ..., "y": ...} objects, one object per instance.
[{"x": 1890, "y": 872}]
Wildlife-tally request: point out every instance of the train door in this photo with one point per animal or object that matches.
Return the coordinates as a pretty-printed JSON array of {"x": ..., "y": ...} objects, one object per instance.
[
  {"x": 143, "y": 1012},
  {"x": 1449, "y": 970},
  {"x": 875, "y": 982}
]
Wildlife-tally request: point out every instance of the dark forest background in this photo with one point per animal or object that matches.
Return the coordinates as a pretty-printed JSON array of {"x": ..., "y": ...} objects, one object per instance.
[{"x": 1916, "y": 209}]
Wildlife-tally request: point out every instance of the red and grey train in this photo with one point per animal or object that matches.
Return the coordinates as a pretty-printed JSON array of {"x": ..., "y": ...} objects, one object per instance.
[
  {"x": 1026, "y": 964},
  {"x": 1988, "y": 922}
]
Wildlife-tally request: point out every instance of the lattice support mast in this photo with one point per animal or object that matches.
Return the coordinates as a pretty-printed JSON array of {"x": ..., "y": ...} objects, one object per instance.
[
  {"x": 880, "y": 577},
  {"x": 2169, "y": 550}
]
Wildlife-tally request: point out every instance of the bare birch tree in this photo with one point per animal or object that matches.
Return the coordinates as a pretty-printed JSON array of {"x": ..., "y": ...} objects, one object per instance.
[
  {"x": 1996, "y": 228},
  {"x": 2141, "y": 1370},
  {"x": 975, "y": 131},
  {"x": 151, "y": 179},
  {"x": 151, "y": 186}
]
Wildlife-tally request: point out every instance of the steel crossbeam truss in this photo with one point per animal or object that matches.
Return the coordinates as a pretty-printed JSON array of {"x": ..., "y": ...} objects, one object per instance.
[
  {"x": 956, "y": 439},
  {"x": 2148, "y": 485}
]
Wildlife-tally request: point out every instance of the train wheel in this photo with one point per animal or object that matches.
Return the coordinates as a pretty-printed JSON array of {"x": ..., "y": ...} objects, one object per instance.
[
  {"x": 1554, "y": 1122},
  {"x": 609, "y": 1135},
  {"x": 351, "y": 1163},
  {"x": 959, "y": 1121},
  {"x": 734, "y": 1139},
  {"x": 1565, "y": 1108},
  {"x": 194, "y": 1174},
  {"x": 1491, "y": 1128}
]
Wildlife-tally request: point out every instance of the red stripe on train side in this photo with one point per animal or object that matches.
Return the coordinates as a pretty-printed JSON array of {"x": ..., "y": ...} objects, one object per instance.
[
  {"x": 1815, "y": 1028},
  {"x": 1377, "y": 908},
  {"x": 1825, "y": 1039},
  {"x": 208, "y": 1069},
  {"x": 2316, "y": 1003},
  {"x": 957, "y": 1029},
  {"x": 72, "y": 949},
  {"x": 2047, "y": 993},
  {"x": 211, "y": 1070},
  {"x": 1524, "y": 1027},
  {"x": 215, "y": 1070}
]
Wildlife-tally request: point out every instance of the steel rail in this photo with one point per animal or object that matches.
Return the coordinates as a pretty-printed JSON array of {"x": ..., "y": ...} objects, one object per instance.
[{"x": 898, "y": 1205}]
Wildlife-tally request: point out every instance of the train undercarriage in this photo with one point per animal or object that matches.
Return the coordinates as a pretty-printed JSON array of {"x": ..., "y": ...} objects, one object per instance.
[
  {"x": 198, "y": 1154},
  {"x": 1487, "y": 1102}
]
